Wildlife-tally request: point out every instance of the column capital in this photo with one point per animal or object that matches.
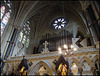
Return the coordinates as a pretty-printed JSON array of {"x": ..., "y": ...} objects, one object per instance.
[{"x": 93, "y": 69}]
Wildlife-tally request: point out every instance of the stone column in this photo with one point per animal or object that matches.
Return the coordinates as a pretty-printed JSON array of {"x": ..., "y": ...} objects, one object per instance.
[
  {"x": 80, "y": 71},
  {"x": 69, "y": 71},
  {"x": 93, "y": 69},
  {"x": 93, "y": 25},
  {"x": 97, "y": 44}
]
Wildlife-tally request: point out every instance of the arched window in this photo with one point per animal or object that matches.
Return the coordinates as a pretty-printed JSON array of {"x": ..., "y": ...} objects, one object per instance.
[
  {"x": 5, "y": 15},
  {"x": 24, "y": 34},
  {"x": 2, "y": 11}
]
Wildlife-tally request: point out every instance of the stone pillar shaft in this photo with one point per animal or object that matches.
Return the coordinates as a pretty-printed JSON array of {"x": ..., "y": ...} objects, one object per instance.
[
  {"x": 80, "y": 71},
  {"x": 93, "y": 69}
]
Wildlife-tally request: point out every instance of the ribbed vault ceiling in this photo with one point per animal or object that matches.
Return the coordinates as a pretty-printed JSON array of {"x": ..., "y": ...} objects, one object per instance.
[{"x": 41, "y": 13}]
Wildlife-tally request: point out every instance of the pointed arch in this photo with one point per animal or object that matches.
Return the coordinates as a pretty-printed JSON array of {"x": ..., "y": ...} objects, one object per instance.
[
  {"x": 74, "y": 60},
  {"x": 5, "y": 15},
  {"x": 95, "y": 61},
  {"x": 95, "y": 58},
  {"x": 36, "y": 68},
  {"x": 87, "y": 60}
]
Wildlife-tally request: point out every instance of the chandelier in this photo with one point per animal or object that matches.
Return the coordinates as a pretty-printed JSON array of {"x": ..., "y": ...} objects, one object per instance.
[
  {"x": 67, "y": 51},
  {"x": 63, "y": 23}
]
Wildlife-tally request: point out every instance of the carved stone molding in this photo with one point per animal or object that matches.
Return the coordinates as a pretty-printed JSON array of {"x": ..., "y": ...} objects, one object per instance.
[
  {"x": 48, "y": 56},
  {"x": 93, "y": 69}
]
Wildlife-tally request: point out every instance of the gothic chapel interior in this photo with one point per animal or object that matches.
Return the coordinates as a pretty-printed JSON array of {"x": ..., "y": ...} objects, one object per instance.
[{"x": 50, "y": 37}]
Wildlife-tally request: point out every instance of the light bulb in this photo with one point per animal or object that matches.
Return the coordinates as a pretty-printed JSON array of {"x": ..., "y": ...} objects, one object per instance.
[
  {"x": 75, "y": 49},
  {"x": 59, "y": 49},
  {"x": 67, "y": 50},
  {"x": 71, "y": 46},
  {"x": 60, "y": 52},
  {"x": 65, "y": 46}
]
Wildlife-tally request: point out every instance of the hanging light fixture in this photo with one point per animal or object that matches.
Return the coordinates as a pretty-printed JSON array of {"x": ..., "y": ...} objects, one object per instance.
[
  {"x": 60, "y": 52},
  {"x": 72, "y": 49},
  {"x": 65, "y": 46},
  {"x": 59, "y": 49},
  {"x": 71, "y": 46}
]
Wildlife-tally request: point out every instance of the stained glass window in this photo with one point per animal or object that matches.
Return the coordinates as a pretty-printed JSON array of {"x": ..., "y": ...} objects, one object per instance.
[
  {"x": 9, "y": 5},
  {"x": 59, "y": 23},
  {"x": 20, "y": 36},
  {"x": 24, "y": 34},
  {"x": 5, "y": 15},
  {"x": 2, "y": 11}
]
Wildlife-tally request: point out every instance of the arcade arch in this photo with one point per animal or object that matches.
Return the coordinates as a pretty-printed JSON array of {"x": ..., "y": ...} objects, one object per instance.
[
  {"x": 87, "y": 60},
  {"x": 35, "y": 69}
]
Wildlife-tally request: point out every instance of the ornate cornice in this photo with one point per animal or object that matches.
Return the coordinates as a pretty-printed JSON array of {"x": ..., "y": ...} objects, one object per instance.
[{"x": 53, "y": 55}]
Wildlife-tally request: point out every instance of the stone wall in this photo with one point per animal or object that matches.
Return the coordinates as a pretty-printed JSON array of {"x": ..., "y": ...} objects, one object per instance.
[{"x": 89, "y": 54}]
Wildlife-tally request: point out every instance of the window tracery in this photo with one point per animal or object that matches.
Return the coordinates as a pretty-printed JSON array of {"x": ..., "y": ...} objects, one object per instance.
[
  {"x": 5, "y": 15},
  {"x": 59, "y": 23},
  {"x": 24, "y": 34}
]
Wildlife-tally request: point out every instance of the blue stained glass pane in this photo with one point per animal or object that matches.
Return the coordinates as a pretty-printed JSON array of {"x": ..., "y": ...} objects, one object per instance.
[
  {"x": 59, "y": 20},
  {"x": 59, "y": 27},
  {"x": 59, "y": 23},
  {"x": 5, "y": 1},
  {"x": 56, "y": 21},
  {"x": 8, "y": 0},
  {"x": 62, "y": 25},
  {"x": 62, "y": 19},
  {"x": 54, "y": 24},
  {"x": 2, "y": 28},
  {"x": 4, "y": 24},
  {"x": 5, "y": 19},
  {"x": 9, "y": 10},
  {"x": 64, "y": 22}
]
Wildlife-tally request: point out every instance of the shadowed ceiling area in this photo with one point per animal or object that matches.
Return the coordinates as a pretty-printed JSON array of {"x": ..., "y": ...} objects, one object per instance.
[
  {"x": 50, "y": 37},
  {"x": 41, "y": 14},
  {"x": 44, "y": 12}
]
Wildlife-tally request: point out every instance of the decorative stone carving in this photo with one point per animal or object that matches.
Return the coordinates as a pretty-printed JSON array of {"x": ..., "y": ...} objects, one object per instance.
[
  {"x": 45, "y": 49},
  {"x": 52, "y": 56}
]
